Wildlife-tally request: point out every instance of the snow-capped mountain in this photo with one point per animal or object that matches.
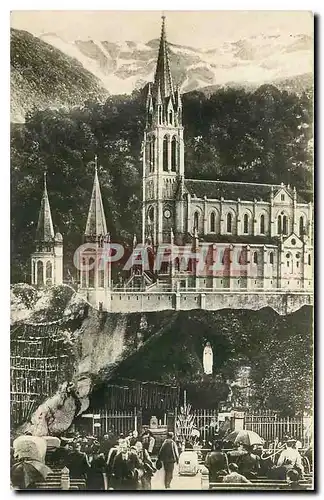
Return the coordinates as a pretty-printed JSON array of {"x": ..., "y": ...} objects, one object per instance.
[{"x": 125, "y": 66}]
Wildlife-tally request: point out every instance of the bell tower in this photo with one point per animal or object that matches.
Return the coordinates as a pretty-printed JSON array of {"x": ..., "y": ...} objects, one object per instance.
[{"x": 163, "y": 151}]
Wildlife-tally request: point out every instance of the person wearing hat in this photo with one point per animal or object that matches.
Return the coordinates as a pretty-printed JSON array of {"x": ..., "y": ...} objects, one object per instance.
[
  {"x": 290, "y": 458},
  {"x": 168, "y": 456}
]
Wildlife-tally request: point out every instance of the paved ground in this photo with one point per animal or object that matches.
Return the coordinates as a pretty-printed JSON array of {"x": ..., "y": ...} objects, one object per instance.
[{"x": 178, "y": 482}]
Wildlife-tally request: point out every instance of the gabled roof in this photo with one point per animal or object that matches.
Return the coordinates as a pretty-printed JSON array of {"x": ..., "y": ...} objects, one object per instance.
[
  {"x": 246, "y": 191},
  {"x": 96, "y": 222},
  {"x": 45, "y": 229}
]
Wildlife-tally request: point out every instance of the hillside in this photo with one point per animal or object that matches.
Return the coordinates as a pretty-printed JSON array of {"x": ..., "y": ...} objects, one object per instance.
[
  {"x": 167, "y": 347},
  {"x": 244, "y": 63},
  {"x": 44, "y": 77}
]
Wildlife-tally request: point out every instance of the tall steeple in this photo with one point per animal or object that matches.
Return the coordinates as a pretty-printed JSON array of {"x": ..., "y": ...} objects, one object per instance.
[
  {"x": 163, "y": 77},
  {"x": 45, "y": 229},
  {"x": 96, "y": 223}
]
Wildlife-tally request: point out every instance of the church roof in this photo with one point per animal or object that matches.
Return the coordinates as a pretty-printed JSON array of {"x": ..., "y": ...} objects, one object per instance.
[
  {"x": 45, "y": 229},
  {"x": 163, "y": 78},
  {"x": 233, "y": 190},
  {"x": 96, "y": 222}
]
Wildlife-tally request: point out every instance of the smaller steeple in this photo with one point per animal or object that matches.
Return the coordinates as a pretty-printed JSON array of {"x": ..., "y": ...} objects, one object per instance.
[
  {"x": 96, "y": 227},
  {"x": 149, "y": 97},
  {"x": 45, "y": 229}
]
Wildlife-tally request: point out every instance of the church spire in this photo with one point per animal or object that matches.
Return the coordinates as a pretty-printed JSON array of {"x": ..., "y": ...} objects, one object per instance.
[
  {"x": 96, "y": 222},
  {"x": 163, "y": 77},
  {"x": 45, "y": 229}
]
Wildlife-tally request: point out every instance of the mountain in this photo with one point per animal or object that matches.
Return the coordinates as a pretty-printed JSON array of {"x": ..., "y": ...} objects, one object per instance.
[
  {"x": 43, "y": 76},
  {"x": 125, "y": 66}
]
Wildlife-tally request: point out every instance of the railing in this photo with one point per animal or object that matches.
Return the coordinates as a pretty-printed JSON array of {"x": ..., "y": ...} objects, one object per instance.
[
  {"x": 257, "y": 291},
  {"x": 270, "y": 427}
]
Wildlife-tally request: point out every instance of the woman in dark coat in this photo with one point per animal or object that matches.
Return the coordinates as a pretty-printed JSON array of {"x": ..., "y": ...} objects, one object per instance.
[
  {"x": 97, "y": 478},
  {"x": 216, "y": 461}
]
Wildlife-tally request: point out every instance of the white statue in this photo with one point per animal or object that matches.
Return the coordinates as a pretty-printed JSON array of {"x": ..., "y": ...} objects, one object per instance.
[{"x": 208, "y": 359}]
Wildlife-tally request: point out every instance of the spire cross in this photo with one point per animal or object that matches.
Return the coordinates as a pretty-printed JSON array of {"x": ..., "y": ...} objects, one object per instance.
[
  {"x": 45, "y": 178},
  {"x": 96, "y": 162}
]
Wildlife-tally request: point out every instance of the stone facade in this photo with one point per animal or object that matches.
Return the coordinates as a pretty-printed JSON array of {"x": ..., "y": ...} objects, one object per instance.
[{"x": 259, "y": 235}]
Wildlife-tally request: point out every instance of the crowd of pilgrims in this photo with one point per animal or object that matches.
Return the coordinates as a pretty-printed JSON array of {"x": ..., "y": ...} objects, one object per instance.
[
  {"x": 244, "y": 463},
  {"x": 125, "y": 463},
  {"x": 122, "y": 463}
]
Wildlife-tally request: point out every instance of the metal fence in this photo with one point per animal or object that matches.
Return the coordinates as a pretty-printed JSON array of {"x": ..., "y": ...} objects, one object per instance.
[
  {"x": 269, "y": 426},
  {"x": 204, "y": 420},
  {"x": 117, "y": 421}
]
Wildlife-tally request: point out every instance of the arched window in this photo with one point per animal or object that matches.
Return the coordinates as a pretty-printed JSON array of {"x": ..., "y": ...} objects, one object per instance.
[
  {"x": 271, "y": 257},
  {"x": 279, "y": 224},
  {"x": 285, "y": 224},
  {"x": 255, "y": 257},
  {"x": 229, "y": 223},
  {"x": 150, "y": 215},
  {"x": 196, "y": 220},
  {"x": 177, "y": 264},
  {"x": 48, "y": 273},
  {"x": 212, "y": 222},
  {"x": 288, "y": 262},
  {"x": 153, "y": 153},
  {"x": 148, "y": 153},
  {"x": 40, "y": 275},
  {"x": 309, "y": 260},
  {"x": 170, "y": 117},
  {"x": 246, "y": 224},
  {"x": 160, "y": 115},
  {"x": 301, "y": 226},
  {"x": 262, "y": 224},
  {"x": 174, "y": 153},
  {"x": 165, "y": 154},
  {"x": 91, "y": 272}
]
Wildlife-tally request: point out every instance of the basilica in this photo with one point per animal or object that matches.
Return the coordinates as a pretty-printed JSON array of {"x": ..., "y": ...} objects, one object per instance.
[{"x": 252, "y": 236}]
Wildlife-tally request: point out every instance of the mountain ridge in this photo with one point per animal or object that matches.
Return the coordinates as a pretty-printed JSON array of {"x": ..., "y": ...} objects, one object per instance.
[{"x": 65, "y": 82}]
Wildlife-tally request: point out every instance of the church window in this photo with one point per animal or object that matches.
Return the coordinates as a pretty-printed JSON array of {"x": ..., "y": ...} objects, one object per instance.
[
  {"x": 212, "y": 222},
  {"x": 309, "y": 260},
  {"x": 246, "y": 224},
  {"x": 262, "y": 224},
  {"x": 271, "y": 257},
  {"x": 170, "y": 117},
  {"x": 279, "y": 224},
  {"x": 285, "y": 224},
  {"x": 48, "y": 273},
  {"x": 40, "y": 276},
  {"x": 160, "y": 115},
  {"x": 255, "y": 257},
  {"x": 165, "y": 154},
  {"x": 151, "y": 215},
  {"x": 196, "y": 220},
  {"x": 301, "y": 226},
  {"x": 91, "y": 271},
  {"x": 229, "y": 223},
  {"x": 101, "y": 278},
  {"x": 174, "y": 153},
  {"x": 282, "y": 197},
  {"x": 153, "y": 153}
]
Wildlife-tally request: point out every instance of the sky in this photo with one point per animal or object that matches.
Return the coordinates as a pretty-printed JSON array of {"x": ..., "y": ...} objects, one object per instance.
[{"x": 203, "y": 29}]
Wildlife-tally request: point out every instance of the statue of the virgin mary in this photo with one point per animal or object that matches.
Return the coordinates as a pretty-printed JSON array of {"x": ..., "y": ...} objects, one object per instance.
[{"x": 208, "y": 359}]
